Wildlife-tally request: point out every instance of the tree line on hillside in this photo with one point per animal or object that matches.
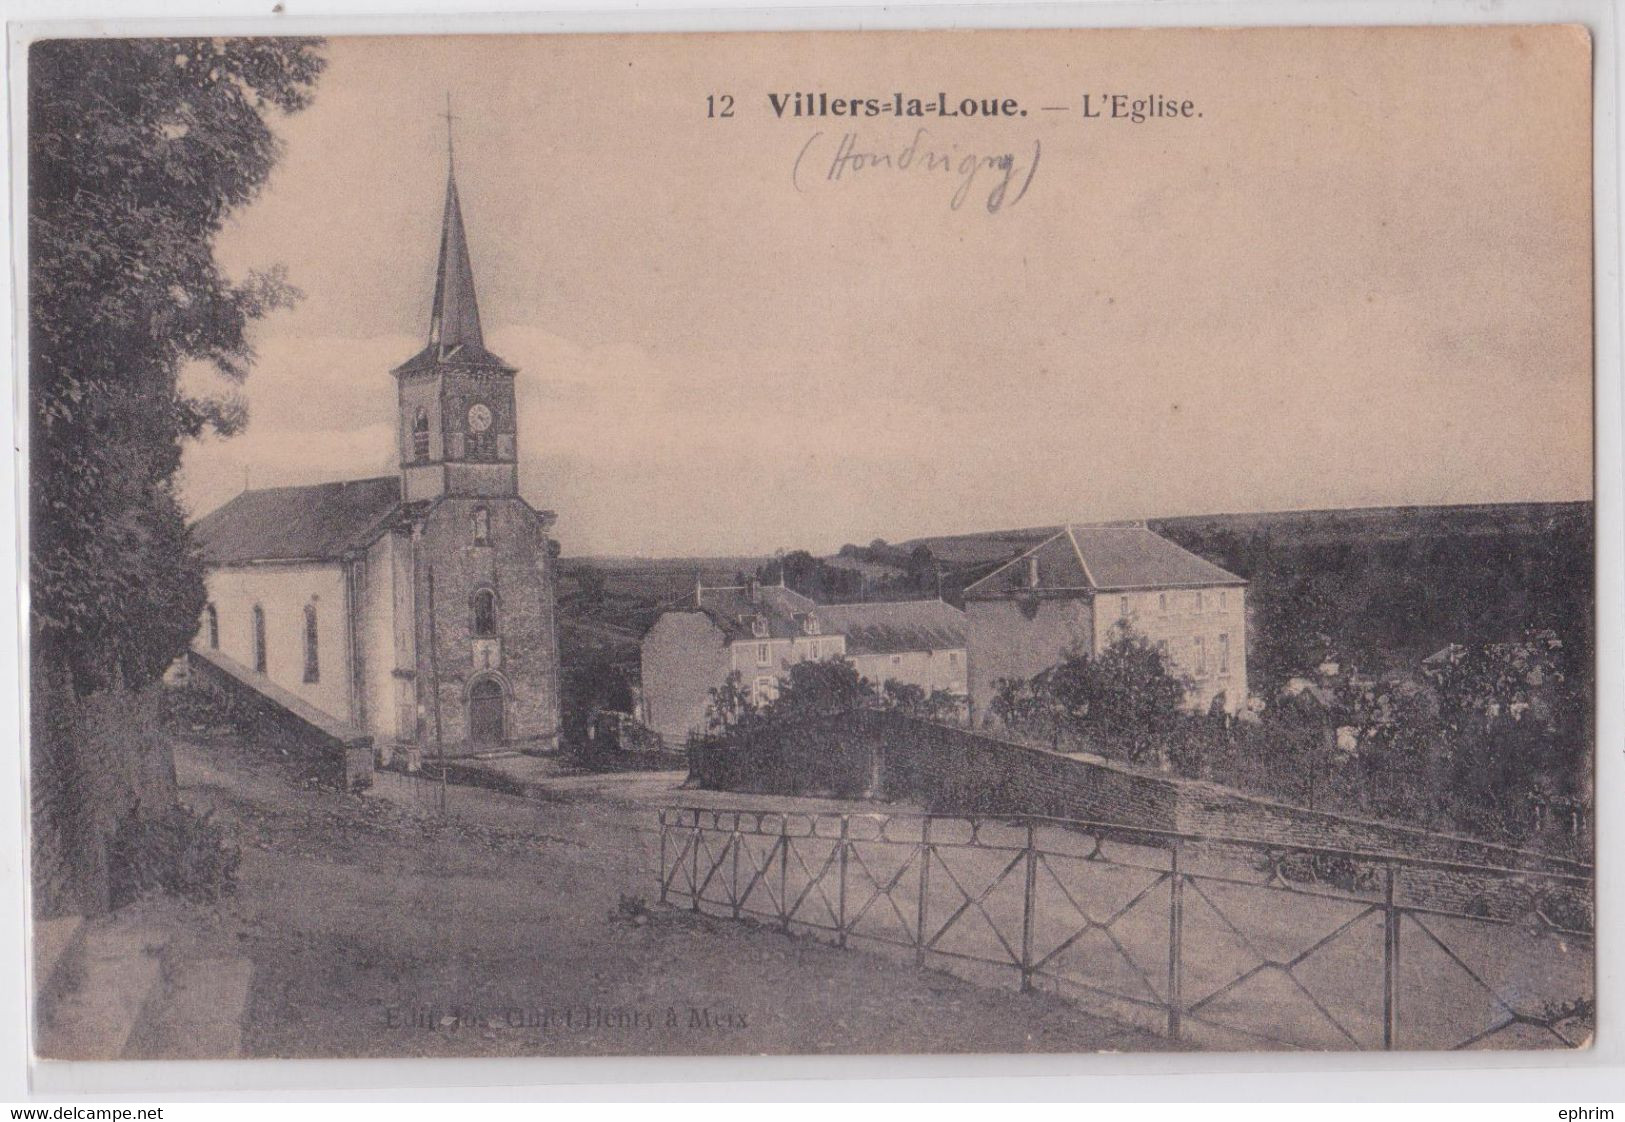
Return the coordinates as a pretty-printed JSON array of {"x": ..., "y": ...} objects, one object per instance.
[
  {"x": 913, "y": 575},
  {"x": 1385, "y": 601}
]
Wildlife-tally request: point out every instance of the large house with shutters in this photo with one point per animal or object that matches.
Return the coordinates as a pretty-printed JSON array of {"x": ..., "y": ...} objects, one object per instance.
[
  {"x": 1086, "y": 586},
  {"x": 418, "y": 607}
]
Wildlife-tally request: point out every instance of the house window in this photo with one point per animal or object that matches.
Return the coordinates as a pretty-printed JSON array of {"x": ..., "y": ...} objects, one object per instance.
[
  {"x": 482, "y": 526},
  {"x": 764, "y": 654},
  {"x": 313, "y": 667},
  {"x": 763, "y": 693},
  {"x": 1224, "y": 598},
  {"x": 1224, "y": 654},
  {"x": 897, "y": 660},
  {"x": 758, "y": 626},
  {"x": 1197, "y": 603},
  {"x": 1201, "y": 655},
  {"x": 259, "y": 638},
  {"x": 1122, "y": 606},
  {"x": 485, "y": 614},
  {"x": 420, "y": 434},
  {"x": 212, "y": 620},
  {"x": 1162, "y": 601},
  {"x": 953, "y": 658}
]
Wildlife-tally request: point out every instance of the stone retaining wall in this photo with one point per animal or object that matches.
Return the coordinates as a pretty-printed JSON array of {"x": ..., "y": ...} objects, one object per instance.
[{"x": 343, "y": 753}]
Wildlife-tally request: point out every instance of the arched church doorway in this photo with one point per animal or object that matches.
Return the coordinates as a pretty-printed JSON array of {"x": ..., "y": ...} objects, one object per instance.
[{"x": 485, "y": 712}]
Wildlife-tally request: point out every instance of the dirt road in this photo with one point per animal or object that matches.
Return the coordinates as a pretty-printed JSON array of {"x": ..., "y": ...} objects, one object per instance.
[{"x": 511, "y": 927}]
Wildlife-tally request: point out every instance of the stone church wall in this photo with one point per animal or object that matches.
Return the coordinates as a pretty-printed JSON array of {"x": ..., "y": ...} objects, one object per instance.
[{"x": 516, "y": 566}]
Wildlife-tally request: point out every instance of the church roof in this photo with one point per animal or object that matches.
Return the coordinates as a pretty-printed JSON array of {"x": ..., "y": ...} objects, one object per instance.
[
  {"x": 455, "y": 336},
  {"x": 321, "y": 522},
  {"x": 1110, "y": 557}
]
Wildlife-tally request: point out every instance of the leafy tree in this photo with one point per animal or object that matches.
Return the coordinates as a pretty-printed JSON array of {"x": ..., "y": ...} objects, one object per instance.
[
  {"x": 906, "y": 697},
  {"x": 922, "y": 573},
  {"x": 731, "y": 707},
  {"x": 820, "y": 687},
  {"x": 138, "y": 152},
  {"x": 591, "y": 684},
  {"x": 1123, "y": 701}
]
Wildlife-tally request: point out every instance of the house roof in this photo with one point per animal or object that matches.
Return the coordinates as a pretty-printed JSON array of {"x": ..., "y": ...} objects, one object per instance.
[
  {"x": 319, "y": 522},
  {"x": 877, "y": 628},
  {"x": 732, "y": 609},
  {"x": 1107, "y": 557},
  {"x": 887, "y": 628}
]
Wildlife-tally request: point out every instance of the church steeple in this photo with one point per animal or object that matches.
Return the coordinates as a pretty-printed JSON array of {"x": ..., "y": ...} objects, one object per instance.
[
  {"x": 454, "y": 321},
  {"x": 458, "y": 416}
]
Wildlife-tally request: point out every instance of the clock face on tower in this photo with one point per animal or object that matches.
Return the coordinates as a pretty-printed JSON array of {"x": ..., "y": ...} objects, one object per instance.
[{"x": 479, "y": 417}]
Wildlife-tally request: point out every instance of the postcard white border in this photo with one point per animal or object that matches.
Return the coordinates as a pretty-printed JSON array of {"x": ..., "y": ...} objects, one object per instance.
[{"x": 1586, "y": 1077}]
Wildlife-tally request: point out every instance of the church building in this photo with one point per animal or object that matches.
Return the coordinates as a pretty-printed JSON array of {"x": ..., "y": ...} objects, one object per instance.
[{"x": 418, "y": 607}]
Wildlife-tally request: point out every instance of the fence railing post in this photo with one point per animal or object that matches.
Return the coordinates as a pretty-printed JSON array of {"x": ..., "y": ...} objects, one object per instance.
[
  {"x": 1390, "y": 961},
  {"x": 925, "y": 887},
  {"x": 663, "y": 881},
  {"x": 784, "y": 872},
  {"x": 1028, "y": 901},
  {"x": 694, "y": 866},
  {"x": 733, "y": 893},
  {"x": 840, "y": 919},
  {"x": 1176, "y": 941}
]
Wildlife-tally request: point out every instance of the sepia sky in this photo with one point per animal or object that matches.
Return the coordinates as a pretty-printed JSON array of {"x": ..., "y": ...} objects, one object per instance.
[{"x": 1360, "y": 277}]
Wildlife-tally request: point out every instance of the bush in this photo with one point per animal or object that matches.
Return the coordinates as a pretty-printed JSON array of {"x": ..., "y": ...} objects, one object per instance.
[
  {"x": 197, "y": 707},
  {"x": 179, "y": 852}
]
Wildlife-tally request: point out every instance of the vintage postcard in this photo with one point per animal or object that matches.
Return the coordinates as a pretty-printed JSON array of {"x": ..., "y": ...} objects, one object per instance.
[{"x": 811, "y": 542}]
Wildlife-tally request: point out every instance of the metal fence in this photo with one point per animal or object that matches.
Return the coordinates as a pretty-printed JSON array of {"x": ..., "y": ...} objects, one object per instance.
[{"x": 1220, "y": 942}]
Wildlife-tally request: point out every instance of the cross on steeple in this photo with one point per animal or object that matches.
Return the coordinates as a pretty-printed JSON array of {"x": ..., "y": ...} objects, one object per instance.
[{"x": 451, "y": 154}]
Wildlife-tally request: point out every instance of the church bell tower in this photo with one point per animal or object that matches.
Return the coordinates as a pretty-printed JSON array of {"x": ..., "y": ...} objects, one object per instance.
[{"x": 458, "y": 428}]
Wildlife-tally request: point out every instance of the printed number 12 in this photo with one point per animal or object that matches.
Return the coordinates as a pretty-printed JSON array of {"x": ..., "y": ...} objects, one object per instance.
[{"x": 722, "y": 106}]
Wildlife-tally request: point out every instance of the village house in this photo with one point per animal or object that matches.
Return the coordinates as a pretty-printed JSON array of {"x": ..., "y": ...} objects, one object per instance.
[
  {"x": 760, "y": 631},
  {"x": 418, "y": 607},
  {"x": 1088, "y": 585}
]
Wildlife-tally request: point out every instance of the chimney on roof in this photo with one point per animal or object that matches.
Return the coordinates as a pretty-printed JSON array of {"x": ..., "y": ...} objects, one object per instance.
[{"x": 1032, "y": 571}]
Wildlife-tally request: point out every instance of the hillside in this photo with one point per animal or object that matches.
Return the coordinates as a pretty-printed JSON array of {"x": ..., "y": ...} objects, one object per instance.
[
  {"x": 1376, "y": 587},
  {"x": 1295, "y": 527}
]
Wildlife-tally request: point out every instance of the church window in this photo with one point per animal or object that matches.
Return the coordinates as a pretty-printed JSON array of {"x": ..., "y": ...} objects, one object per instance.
[
  {"x": 259, "y": 638},
  {"x": 485, "y": 614},
  {"x": 212, "y": 618},
  {"x": 420, "y": 434},
  {"x": 482, "y": 526},
  {"x": 313, "y": 668}
]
